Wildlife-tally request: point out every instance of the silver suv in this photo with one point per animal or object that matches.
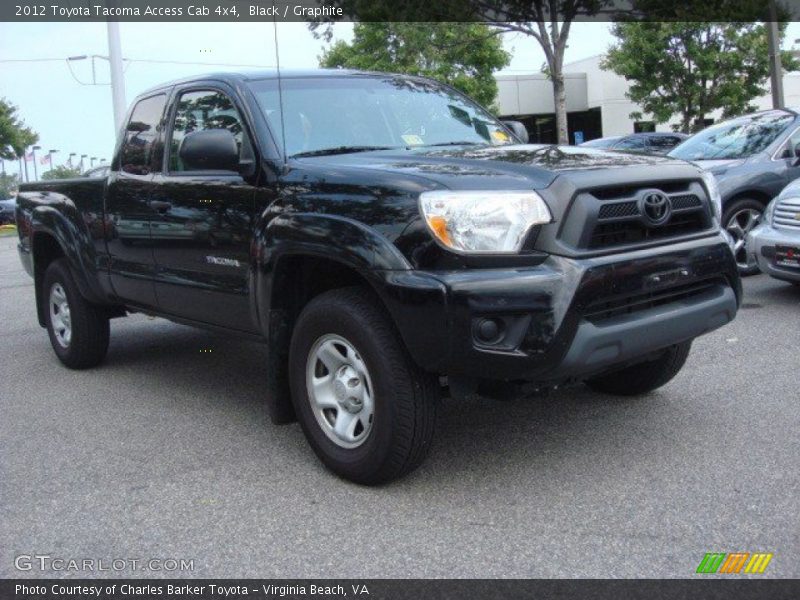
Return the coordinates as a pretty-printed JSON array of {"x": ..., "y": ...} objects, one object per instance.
[{"x": 775, "y": 243}]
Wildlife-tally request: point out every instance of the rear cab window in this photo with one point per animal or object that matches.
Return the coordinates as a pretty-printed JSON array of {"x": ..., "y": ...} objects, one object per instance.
[{"x": 140, "y": 136}]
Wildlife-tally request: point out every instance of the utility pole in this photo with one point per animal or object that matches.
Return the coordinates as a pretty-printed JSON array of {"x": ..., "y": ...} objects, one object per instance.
[
  {"x": 50, "y": 160},
  {"x": 33, "y": 154},
  {"x": 21, "y": 172},
  {"x": 117, "y": 76},
  {"x": 775, "y": 68},
  {"x": 82, "y": 157}
]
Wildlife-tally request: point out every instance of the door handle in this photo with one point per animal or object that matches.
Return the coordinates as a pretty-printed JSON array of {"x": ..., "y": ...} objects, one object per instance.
[{"x": 160, "y": 206}]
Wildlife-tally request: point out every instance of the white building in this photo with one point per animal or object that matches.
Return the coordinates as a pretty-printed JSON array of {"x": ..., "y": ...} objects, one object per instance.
[{"x": 596, "y": 102}]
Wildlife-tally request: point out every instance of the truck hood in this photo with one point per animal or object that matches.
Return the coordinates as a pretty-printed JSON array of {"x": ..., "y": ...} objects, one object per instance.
[{"x": 489, "y": 167}]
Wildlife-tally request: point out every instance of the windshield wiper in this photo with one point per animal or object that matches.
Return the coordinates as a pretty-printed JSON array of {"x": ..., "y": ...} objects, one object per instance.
[
  {"x": 465, "y": 143},
  {"x": 340, "y": 150}
]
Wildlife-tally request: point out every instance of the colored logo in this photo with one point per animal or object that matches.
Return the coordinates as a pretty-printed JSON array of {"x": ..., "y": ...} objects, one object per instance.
[
  {"x": 656, "y": 207},
  {"x": 734, "y": 562}
]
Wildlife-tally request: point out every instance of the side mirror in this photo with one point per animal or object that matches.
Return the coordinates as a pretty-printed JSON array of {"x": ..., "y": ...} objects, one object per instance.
[
  {"x": 209, "y": 150},
  {"x": 518, "y": 129}
]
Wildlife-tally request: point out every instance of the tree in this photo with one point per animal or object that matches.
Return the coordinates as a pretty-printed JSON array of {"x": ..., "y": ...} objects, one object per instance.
[
  {"x": 15, "y": 137},
  {"x": 548, "y": 22},
  {"x": 61, "y": 172},
  {"x": 692, "y": 68},
  {"x": 463, "y": 55},
  {"x": 8, "y": 185}
]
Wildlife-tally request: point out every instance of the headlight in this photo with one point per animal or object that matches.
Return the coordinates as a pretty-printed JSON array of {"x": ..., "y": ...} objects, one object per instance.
[
  {"x": 478, "y": 222},
  {"x": 713, "y": 194},
  {"x": 770, "y": 210}
]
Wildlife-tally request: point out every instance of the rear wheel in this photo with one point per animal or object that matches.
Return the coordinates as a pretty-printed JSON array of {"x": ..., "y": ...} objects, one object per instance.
[
  {"x": 78, "y": 330},
  {"x": 739, "y": 219},
  {"x": 366, "y": 409},
  {"x": 643, "y": 377}
]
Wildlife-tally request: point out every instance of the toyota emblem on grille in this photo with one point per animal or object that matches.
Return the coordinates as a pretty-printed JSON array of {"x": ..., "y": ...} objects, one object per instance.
[{"x": 656, "y": 207}]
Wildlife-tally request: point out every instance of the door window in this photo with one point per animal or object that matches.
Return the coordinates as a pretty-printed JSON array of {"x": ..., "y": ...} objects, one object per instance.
[
  {"x": 207, "y": 109},
  {"x": 141, "y": 133}
]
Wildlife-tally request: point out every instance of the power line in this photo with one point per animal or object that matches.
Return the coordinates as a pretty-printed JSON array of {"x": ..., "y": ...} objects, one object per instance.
[{"x": 145, "y": 60}]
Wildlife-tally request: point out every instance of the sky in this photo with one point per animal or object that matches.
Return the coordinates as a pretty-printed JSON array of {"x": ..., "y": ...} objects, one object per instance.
[{"x": 56, "y": 98}]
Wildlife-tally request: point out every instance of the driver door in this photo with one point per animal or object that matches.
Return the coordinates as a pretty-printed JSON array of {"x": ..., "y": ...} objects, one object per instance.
[{"x": 202, "y": 220}]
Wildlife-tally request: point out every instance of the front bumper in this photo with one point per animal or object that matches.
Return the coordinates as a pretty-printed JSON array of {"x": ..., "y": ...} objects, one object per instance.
[
  {"x": 565, "y": 319},
  {"x": 761, "y": 243}
]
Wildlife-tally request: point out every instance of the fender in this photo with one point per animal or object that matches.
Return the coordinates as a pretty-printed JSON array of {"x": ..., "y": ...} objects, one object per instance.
[
  {"x": 56, "y": 215},
  {"x": 332, "y": 237}
]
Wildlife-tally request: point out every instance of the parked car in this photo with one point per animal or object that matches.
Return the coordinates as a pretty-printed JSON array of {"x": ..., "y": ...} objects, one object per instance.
[
  {"x": 7, "y": 208},
  {"x": 386, "y": 241},
  {"x": 753, "y": 158},
  {"x": 656, "y": 142},
  {"x": 775, "y": 242},
  {"x": 99, "y": 171}
]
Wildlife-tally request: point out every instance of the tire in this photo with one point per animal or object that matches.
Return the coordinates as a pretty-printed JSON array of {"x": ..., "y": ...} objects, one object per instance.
[
  {"x": 739, "y": 218},
  {"x": 83, "y": 342},
  {"x": 644, "y": 377},
  {"x": 349, "y": 330}
]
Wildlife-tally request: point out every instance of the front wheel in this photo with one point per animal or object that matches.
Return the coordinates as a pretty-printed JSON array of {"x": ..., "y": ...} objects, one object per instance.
[
  {"x": 78, "y": 330},
  {"x": 739, "y": 219},
  {"x": 366, "y": 409},
  {"x": 643, "y": 377}
]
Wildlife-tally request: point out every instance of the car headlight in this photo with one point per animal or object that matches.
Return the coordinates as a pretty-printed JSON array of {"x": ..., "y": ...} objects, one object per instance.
[
  {"x": 713, "y": 194},
  {"x": 482, "y": 222},
  {"x": 770, "y": 210}
]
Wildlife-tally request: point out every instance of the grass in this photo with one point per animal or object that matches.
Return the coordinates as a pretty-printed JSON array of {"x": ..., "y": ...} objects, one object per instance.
[{"x": 8, "y": 230}]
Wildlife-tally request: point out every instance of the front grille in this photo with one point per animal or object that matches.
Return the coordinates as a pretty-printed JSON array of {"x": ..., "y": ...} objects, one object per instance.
[
  {"x": 621, "y": 233},
  {"x": 611, "y": 217},
  {"x": 606, "y": 308},
  {"x": 787, "y": 214},
  {"x": 685, "y": 201},
  {"x": 620, "y": 209}
]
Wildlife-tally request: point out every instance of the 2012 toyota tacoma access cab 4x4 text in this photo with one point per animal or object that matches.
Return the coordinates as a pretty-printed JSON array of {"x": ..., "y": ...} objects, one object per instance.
[{"x": 386, "y": 237}]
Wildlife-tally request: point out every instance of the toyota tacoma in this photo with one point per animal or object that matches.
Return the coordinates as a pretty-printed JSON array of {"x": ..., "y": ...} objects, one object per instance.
[{"x": 390, "y": 241}]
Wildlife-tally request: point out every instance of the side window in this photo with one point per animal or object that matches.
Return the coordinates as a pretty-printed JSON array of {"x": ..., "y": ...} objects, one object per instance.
[
  {"x": 207, "y": 109},
  {"x": 791, "y": 144},
  {"x": 663, "y": 142},
  {"x": 140, "y": 134}
]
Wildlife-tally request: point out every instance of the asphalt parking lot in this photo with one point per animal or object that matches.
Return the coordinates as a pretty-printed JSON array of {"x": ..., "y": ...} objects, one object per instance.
[{"x": 166, "y": 451}]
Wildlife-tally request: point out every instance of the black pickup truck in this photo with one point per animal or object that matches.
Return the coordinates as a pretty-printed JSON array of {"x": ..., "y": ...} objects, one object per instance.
[{"x": 389, "y": 240}]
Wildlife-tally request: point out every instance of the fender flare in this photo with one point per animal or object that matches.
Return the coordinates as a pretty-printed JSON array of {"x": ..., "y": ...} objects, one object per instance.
[{"x": 59, "y": 220}]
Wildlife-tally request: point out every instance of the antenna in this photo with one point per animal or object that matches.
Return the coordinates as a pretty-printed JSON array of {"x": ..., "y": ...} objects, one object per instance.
[{"x": 280, "y": 88}]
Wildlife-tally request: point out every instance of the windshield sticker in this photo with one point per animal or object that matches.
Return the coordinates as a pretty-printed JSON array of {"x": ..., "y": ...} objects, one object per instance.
[{"x": 412, "y": 140}]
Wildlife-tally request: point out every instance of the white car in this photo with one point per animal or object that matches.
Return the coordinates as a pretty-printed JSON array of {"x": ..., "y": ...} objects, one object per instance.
[{"x": 775, "y": 242}]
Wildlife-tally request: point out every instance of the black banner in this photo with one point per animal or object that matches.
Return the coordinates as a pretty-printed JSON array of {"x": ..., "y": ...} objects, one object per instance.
[
  {"x": 390, "y": 589},
  {"x": 392, "y": 10}
]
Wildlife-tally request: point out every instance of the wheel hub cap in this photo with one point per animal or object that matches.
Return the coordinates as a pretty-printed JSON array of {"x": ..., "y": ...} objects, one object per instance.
[
  {"x": 340, "y": 391},
  {"x": 739, "y": 225},
  {"x": 60, "y": 317}
]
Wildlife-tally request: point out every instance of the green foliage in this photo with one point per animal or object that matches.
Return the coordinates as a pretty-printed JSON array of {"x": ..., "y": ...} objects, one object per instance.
[
  {"x": 463, "y": 55},
  {"x": 14, "y": 135},
  {"x": 692, "y": 68},
  {"x": 61, "y": 172},
  {"x": 8, "y": 185}
]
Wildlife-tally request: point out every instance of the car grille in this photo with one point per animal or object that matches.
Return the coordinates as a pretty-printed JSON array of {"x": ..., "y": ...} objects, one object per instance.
[
  {"x": 611, "y": 217},
  {"x": 611, "y": 307},
  {"x": 631, "y": 232},
  {"x": 787, "y": 214}
]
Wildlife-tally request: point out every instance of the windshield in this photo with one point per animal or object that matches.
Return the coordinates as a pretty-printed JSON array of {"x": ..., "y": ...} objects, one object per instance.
[
  {"x": 361, "y": 113},
  {"x": 739, "y": 138}
]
